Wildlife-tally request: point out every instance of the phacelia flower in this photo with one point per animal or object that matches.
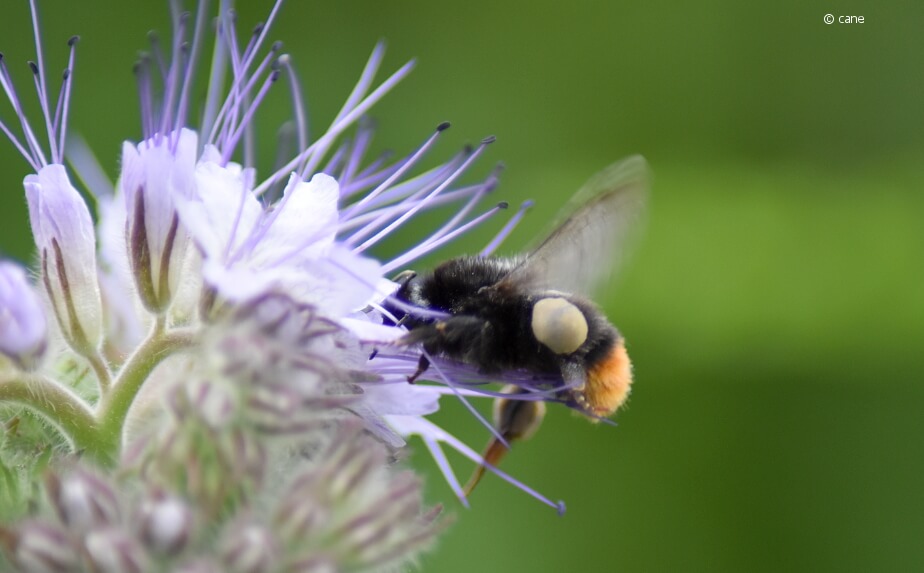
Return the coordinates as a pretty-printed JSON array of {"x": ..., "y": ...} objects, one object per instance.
[
  {"x": 23, "y": 329},
  {"x": 152, "y": 173},
  {"x": 65, "y": 240},
  {"x": 230, "y": 392}
]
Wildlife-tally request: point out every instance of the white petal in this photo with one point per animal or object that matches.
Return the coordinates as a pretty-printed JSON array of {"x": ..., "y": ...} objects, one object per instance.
[
  {"x": 338, "y": 284},
  {"x": 221, "y": 210},
  {"x": 401, "y": 399},
  {"x": 303, "y": 223},
  {"x": 240, "y": 283},
  {"x": 125, "y": 317},
  {"x": 367, "y": 331}
]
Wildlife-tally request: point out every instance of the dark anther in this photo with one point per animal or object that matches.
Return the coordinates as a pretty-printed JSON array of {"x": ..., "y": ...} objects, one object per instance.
[
  {"x": 73, "y": 40},
  {"x": 443, "y": 126}
]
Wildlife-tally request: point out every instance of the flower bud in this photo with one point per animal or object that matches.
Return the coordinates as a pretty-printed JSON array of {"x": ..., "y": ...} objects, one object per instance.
[
  {"x": 112, "y": 550},
  {"x": 40, "y": 546},
  {"x": 23, "y": 331},
  {"x": 166, "y": 523},
  {"x": 200, "y": 565},
  {"x": 249, "y": 548},
  {"x": 64, "y": 236},
  {"x": 152, "y": 172},
  {"x": 83, "y": 500}
]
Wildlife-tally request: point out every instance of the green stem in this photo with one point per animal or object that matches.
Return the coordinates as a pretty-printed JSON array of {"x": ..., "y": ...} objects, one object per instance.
[
  {"x": 113, "y": 407},
  {"x": 57, "y": 404},
  {"x": 102, "y": 372}
]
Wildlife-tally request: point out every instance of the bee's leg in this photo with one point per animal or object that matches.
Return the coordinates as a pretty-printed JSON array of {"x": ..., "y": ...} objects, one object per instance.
[
  {"x": 575, "y": 378},
  {"x": 450, "y": 337},
  {"x": 492, "y": 454},
  {"x": 422, "y": 366},
  {"x": 403, "y": 277},
  {"x": 514, "y": 420}
]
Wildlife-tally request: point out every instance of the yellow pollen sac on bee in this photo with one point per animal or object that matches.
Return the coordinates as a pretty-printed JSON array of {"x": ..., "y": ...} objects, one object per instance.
[{"x": 559, "y": 325}]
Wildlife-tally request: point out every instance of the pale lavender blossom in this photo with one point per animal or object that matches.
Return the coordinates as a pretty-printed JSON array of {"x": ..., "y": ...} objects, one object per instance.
[
  {"x": 65, "y": 240},
  {"x": 152, "y": 173},
  {"x": 23, "y": 329},
  {"x": 248, "y": 251}
]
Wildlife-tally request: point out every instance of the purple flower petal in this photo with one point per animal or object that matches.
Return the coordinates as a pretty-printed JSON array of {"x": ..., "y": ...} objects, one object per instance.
[
  {"x": 153, "y": 172},
  {"x": 23, "y": 329},
  {"x": 63, "y": 232}
]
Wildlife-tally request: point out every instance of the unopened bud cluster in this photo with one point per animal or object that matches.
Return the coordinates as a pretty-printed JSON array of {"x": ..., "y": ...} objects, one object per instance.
[{"x": 224, "y": 483}]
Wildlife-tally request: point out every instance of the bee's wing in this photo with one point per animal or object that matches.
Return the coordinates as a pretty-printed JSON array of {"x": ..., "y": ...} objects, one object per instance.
[{"x": 588, "y": 241}]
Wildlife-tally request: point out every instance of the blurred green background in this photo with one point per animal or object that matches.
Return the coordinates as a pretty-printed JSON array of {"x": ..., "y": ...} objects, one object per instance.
[{"x": 774, "y": 309}]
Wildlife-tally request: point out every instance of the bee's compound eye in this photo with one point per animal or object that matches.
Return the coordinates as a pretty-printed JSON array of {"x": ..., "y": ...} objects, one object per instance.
[{"x": 559, "y": 325}]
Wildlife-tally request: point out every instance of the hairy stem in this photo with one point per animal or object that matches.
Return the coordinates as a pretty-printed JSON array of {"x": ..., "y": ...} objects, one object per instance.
[
  {"x": 114, "y": 406},
  {"x": 57, "y": 404},
  {"x": 102, "y": 371}
]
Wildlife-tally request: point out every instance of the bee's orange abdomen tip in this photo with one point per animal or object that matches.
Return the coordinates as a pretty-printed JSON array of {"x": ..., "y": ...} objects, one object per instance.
[{"x": 608, "y": 382}]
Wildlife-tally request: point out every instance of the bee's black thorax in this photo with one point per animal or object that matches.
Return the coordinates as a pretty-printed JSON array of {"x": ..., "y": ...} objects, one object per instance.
[
  {"x": 490, "y": 325},
  {"x": 452, "y": 285}
]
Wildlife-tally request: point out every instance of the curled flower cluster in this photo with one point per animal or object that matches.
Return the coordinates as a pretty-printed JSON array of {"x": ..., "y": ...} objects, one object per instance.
[
  {"x": 195, "y": 369},
  {"x": 274, "y": 371}
]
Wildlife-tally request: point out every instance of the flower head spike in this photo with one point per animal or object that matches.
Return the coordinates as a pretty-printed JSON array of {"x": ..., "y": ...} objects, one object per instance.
[{"x": 251, "y": 359}]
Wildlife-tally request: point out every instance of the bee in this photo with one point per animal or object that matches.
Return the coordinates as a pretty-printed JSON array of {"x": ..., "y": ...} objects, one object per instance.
[{"x": 531, "y": 312}]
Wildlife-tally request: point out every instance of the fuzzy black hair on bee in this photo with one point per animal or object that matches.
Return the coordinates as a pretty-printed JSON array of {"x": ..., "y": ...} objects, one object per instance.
[{"x": 530, "y": 313}]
